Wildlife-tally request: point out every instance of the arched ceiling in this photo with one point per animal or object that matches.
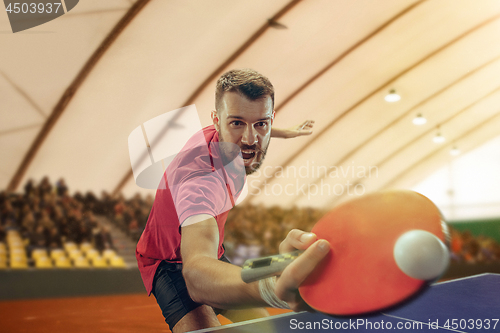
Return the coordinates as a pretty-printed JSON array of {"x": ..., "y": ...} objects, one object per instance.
[{"x": 124, "y": 62}]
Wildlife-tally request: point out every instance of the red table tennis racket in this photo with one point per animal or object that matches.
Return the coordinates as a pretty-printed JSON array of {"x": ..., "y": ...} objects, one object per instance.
[{"x": 367, "y": 236}]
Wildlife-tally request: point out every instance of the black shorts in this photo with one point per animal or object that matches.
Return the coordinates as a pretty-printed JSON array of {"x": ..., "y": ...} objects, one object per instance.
[{"x": 170, "y": 291}]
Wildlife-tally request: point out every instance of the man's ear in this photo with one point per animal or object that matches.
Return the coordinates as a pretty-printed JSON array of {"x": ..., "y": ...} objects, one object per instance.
[
  {"x": 215, "y": 120},
  {"x": 272, "y": 117}
]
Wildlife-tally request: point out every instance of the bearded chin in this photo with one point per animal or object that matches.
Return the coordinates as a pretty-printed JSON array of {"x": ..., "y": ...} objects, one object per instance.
[{"x": 254, "y": 166}]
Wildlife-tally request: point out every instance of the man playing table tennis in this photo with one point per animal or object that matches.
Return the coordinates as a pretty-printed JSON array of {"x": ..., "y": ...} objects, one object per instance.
[{"x": 180, "y": 253}]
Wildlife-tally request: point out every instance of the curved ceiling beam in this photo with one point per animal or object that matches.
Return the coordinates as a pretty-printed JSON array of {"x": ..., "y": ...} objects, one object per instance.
[
  {"x": 394, "y": 122},
  {"x": 408, "y": 144},
  {"x": 374, "y": 92},
  {"x": 219, "y": 70},
  {"x": 71, "y": 91},
  {"x": 346, "y": 53},
  {"x": 323, "y": 71},
  {"x": 432, "y": 154},
  {"x": 433, "y": 129}
]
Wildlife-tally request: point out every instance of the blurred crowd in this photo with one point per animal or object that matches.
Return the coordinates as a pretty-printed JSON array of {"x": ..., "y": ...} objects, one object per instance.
[
  {"x": 471, "y": 249},
  {"x": 48, "y": 216},
  {"x": 130, "y": 215},
  {"x": 253, "y": 231}
]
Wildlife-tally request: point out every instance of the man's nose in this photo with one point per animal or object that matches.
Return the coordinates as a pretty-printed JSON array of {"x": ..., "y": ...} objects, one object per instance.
[{"x": 249, "y": 136}]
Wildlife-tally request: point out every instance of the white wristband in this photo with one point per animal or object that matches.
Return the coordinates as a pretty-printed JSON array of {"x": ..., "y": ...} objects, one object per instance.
[{"x": 266, "y": 289}]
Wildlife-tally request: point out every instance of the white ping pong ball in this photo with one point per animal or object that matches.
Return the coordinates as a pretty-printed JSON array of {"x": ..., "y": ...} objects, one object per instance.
[{"x": 421, "y": 255}]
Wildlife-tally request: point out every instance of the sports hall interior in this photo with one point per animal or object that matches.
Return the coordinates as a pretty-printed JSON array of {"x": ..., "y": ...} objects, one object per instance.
[{"x": 404, "y": 95}]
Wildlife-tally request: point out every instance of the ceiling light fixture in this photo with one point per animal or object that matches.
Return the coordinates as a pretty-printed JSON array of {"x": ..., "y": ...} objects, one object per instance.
[
  {"x": 392, "y": 96},
  {"x": 419, "y": 119},
  {"x": 438, "y": 138},
  {"x": 276, "y": 25},
  {"x": 455, "y": 151}
]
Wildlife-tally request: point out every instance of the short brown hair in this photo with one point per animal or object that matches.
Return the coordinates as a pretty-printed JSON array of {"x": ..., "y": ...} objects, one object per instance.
[{"x": 246, "y": 82}]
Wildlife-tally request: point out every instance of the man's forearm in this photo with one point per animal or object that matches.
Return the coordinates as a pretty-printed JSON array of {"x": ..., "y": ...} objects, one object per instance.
[
  {"x": 211, "y": 281},
  {"x": 283, "y": 133},
  {"x": 219, "y": 284}
]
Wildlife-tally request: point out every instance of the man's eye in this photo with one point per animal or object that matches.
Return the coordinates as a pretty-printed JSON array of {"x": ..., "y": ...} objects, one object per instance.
[
  {"x": 261, "y": 124},
  {"x": 236, "y": 123}
]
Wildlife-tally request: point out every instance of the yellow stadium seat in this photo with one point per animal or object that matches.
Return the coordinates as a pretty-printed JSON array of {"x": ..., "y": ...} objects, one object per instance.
[
  {"x": 3, "y": 246},
  {"x": 70, "y": 246},
  {"x": 18, "y": 252},
  {"x": 38, "y": 253},
  {"x": 18, "y": 256},
  {"x": 3, "y": 262},
  {"x": 85, "y": 247},
  {"x": 63, "y": 262},
  {"x": 56, "y": 253},
  {"x": 75, "y": 253},
  {"x": 13, "y": 234},
  {"x": 118, "y": 262},
  {"x": 92, "y": 253},
  {"x": 108, "y": 254},
  {"x": 99, "y": 262},
  {"x": 18, "y": 263},
  {"x": 43, "y": 262},
  {"x": 81, "y": 262},
  {"x": 3, "y": 252},
  {"x": 13, "y": 239},
  {"x": 16, "y": 245}
]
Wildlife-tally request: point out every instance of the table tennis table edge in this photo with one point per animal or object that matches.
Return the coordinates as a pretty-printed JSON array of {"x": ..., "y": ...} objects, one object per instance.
[
  {"x": 248, "y": 322},
  {"x": 254, "y": 321}
]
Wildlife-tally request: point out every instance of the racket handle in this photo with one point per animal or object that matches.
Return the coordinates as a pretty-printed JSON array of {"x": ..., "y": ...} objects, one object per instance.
[{"x": 261, "y": 268}]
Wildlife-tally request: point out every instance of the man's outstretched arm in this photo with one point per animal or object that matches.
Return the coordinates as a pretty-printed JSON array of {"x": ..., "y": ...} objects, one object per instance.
[
  {"x": 209, "y": 280},
  {"x": 304, "y": 128},
  {"x": 219, "y": 284}
]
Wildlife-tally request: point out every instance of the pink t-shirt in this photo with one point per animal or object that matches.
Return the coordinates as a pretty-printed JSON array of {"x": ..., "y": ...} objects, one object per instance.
[{"x": 195, "y": 182}]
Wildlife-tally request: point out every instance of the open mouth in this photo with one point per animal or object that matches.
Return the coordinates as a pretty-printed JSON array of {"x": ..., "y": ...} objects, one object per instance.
[{"x": 248, "y": 154}]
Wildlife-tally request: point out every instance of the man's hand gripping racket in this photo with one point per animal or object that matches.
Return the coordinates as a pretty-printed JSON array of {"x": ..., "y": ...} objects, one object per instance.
[{"x": 381, "y": 249}]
